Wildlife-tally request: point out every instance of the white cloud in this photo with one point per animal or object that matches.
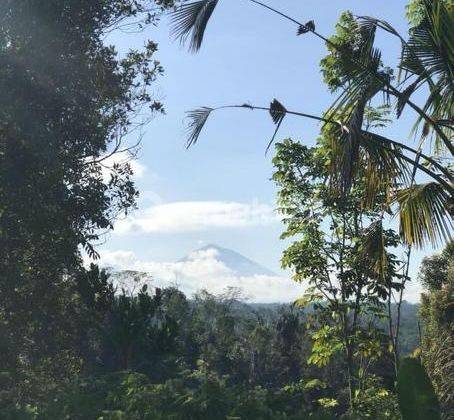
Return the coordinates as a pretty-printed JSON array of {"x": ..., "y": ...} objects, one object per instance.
[
  {"x": 197, "y": 215},
  {"x": 118, "y": 259},
  {"x": 202, "y": 270},
  {"x": 138, "y": 169}
]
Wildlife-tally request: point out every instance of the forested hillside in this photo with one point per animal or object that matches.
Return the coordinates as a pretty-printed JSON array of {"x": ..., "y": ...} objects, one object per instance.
[
  {"x": 159, "y": 354},
  {"x": 410, "y": 323}
]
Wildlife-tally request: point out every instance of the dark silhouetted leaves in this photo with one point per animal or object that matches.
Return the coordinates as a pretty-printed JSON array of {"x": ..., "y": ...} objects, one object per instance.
[
  {"x": 307, "y": 27},
  {"x": 277, "y": 112},
  {"x": 197, "y": 119},
  {"x": 190, "y": 21}
]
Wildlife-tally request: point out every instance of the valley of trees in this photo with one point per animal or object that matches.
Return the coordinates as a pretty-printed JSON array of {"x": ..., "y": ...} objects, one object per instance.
[{"x": 74, "y": 345}]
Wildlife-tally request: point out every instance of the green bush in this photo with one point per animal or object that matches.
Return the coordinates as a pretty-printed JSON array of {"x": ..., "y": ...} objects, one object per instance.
[{"x": 195, "y": 395}]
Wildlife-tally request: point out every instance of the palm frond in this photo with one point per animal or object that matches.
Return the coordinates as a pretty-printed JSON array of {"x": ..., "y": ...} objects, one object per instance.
[
  {"x": 363, "y": 155},
  {"x": 350, "y": 106},
  {"x": 373, "y": 249},
  {"x": 363, "y": 76},
  {"x": 190, "y": 21},
  {"x": 277, "y": 112},
  {"x": 197, "y": 119},
  {"x": 405, "y": 95},
  {"x": 382, "y": 24},
  {"x": 307, "y": 27},
  {"x": 425, "y": 214},
  {"x": 383, "y": 168},
  {"x": 429, "y": 55},
  {"x": 429, "y": 48},
  {"x": 377, "y": 117},
  {"x": 368, "y": 20}
]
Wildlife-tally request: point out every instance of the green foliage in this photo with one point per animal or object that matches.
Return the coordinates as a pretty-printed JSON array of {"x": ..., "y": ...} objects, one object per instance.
[
  {"x": 415, "y": 11},
  {"x": 336, "y": 238},
  {"x": 375, "y": 402},
  {"x": 346, "y": 47},
  {"x": 437, "y": 316},
  {"x": 194, "y": 395},
  {"x": 69, "y": 101},
  {"x": 326, "y": 343},
  {"x": 27, "y": 412},
  {"x": 418, "y": 223},
  {"x": 436, "y": 271},
  {"x": 428, "y": 56},
  {"x": 190, "y": 359},
  {"x": 417, "y": 399}
]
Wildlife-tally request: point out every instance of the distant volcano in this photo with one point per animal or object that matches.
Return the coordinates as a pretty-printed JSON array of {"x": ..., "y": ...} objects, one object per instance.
[
  {"x": 211, "y": 268},
  {"x": 237, "y": 263}
]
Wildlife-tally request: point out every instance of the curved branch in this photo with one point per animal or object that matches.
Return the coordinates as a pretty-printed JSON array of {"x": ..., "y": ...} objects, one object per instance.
[
  {"x": 385, "y": 142},
  {"x": 299, "y": 114},
  {"x": 382, "y": 139}
]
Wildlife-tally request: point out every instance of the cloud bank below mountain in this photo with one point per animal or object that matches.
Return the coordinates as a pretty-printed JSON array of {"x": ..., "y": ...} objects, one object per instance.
[{"x": 202, "y": 269}]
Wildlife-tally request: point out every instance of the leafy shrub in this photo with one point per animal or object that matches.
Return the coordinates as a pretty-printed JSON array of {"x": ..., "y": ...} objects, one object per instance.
[{"x": 195, "y": 395}]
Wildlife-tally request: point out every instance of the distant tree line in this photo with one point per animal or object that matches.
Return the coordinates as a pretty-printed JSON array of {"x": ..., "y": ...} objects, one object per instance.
[{"x": 161, "y": 355}]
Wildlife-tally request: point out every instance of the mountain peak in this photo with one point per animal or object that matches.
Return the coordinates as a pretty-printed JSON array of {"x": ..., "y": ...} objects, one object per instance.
[
  {"x": 210, "y": 246},
  {"x": 234, "y": 261}
]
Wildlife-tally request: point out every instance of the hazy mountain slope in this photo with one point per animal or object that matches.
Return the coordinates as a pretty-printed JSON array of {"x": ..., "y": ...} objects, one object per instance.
[{"x": 237, "y": 263}]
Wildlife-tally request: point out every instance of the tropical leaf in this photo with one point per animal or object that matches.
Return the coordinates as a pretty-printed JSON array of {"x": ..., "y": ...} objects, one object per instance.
[
  {"x": 91, "y": 251},
  {"x": 373, "y": 249},
  {"x": 382, "y": 167},
  {"x": 429, "y": 55},
  {"x": 378, "y": 23},
  {"x": 344, "y": 158},
  {"x": 425, "y": 212},
  {"x": 197, "y": 119},
  {"x": 405, "y": 95},
  {"x": 359, "y": 64},
  {"x": 307, "y": 27},
  {"x": 356, "y": 152},
  {"x": 362, "y": 77},
  {"x": 377, "y": 117},
  {"x": 277, "y": 112},
  {"x": 190, "y": 21}
]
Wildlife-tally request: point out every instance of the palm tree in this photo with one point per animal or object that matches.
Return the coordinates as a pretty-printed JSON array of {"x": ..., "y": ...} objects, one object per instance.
[{"x": 426, "y": 65}]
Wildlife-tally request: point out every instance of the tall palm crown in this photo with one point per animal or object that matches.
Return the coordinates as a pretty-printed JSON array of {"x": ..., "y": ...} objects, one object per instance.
[{"x": 354, "y": 68}]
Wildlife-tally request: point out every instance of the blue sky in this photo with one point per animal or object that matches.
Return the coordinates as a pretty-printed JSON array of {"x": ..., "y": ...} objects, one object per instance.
[{"x": 220, "y": 190}]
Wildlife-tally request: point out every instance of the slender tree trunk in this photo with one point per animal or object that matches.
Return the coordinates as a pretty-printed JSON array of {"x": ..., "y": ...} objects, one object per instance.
[
  {"x": 394, "y": 328},
  {"x": 391, "y": 333}
]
